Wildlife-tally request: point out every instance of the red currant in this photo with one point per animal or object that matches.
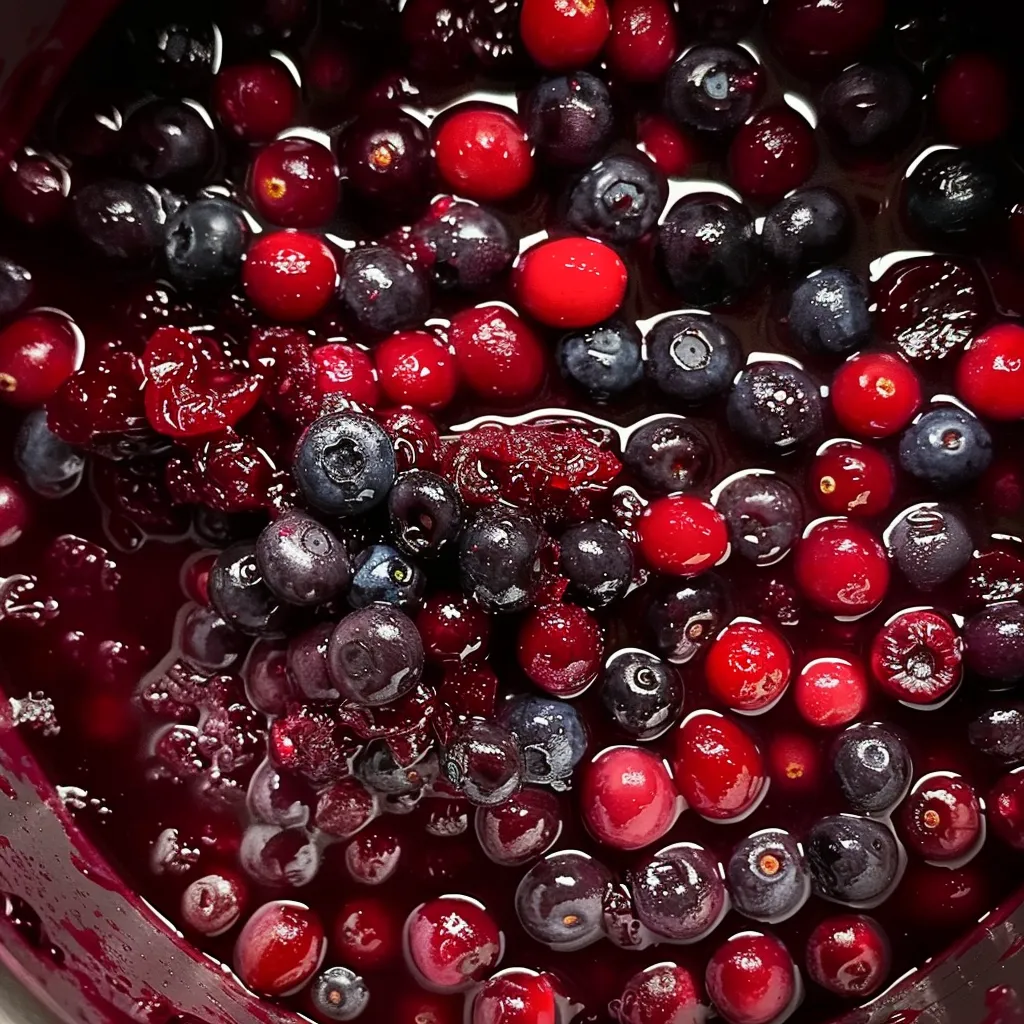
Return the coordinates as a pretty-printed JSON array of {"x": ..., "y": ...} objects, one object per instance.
[
  {"x": 255, "y": 101},
  {"x": 643, "y": 39},
  {"x": 772, "y": 154},
  {"x": 294, "y": 183},
  {"x": 564, "y": 33},
  {"x": 560, "y": 648},
  {"x": 852, "y": 479},
  {"x": 990, "y": 375},
  {"x": 498, "y": 354},
  {"x": 279, "y": 948},
  {"x": 831, "y": 691},
  {"x": 842, "y": 567},
  {"x": 347, "y": 371}
]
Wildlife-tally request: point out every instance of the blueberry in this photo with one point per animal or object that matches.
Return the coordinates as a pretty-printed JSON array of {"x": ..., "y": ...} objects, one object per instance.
[
  {"x": 686, "y": 620},
  {"x": 426, "y": 513},
  {"x": 809, "y": 228},
  {"x": 999, "y": 733},
  {"x": 301, "y": 561},
  {"x": 345, "y": 464},
  {"x": 946, "y": 447},
  {"x": 559, "y": 900},
  {"x": 678, "y": 892},
  {"x": 375, "y": 655},
  {"x": 375, "y": 765},
  {"x": 669, "y": 454},
  {"x": 994, "y": 642},
  {"x": 951, "y": 192},
  {"x": 767, "y": 876},
  {"x": 708, "y": 248},
  {"x": 168, "y": 140},
  {"x": 618, "y": 200},
  {"x": 551, "y": 736},
  {"x": 386, "y": 575},
  {"x": 691, "y": 356},
  {"x": 864, "y": 105},
  {"x": 472, "y": 247},
  {"x": 604, "y": 360},
  {"x": 482, "y": 761},
  {"x": 570, "y": 119},
  {"x": 51, "y": 467},
  {"x": 641, "y": 693},
  {"x": 931, "y": 544},
  {"x": 764, "y": 516},
  {"x": 121, "y": 220},
  {"x": 15, "y": 286},
  {"x": 339, "y": 994},
  {"x": 206, "y": 243},
  {"x": 872, "y": 766},
  {"x": 713, "y": 88},
  {"x": 381, "y": 291},
  {"x": 852, "y": 860},
  {"x": 597, "y": 561},
  {"x": 775, "y": 405},
  {"x": 499, "y": 561},
  {"x": 828, "y": 312},
  {"x": 240, "y": 596},
  {"x": 306, "y": 662}
]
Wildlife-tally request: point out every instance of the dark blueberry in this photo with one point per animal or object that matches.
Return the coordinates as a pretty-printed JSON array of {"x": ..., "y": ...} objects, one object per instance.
[
  {"x": 852, "y": 860},
  {"x": 383, "y": 574},
  {"x": 951, "y": 192},
  {"x": 570, "y": 119},
  {"x": 619, "y": 199},
  {"x": 306, "y": 661},
  {"x": 51, "y": 467},
  {"x": 767, "y": 876},
  {"x": 167, "y": 141},
  {"x": 240, "y": 596},
  {"x": 345, "y": 464},
  {"x": 551, "y": 736},
  {"x": 999, "y": 733},
  {"x": 864, "y": 105},
  {"x": 603, "y": 360},
  {"x": 206, "y": 243},
  {"x": 385, "y": 154},
  {"x": 597, "y": 561},
  {"x": 776, "y": 405},
  {"x": 709, "y": 248},
  {"x": 872, "y": 767},
  {"x": 426, "y": 512},
  {"x": 669, "y": 454},
  {"x": 764, "y": 516},
  {"x": 691, "y": 356},
  {"x": 122, "y": 220},
  {"x": 339, "y": 994},
  {"x": 375, "y": 655},
  {"x": 301, "y": 560},
  {"x": 15, "y": 286},
  {"x": 689, "y": 618},
  {"x": 828, "y": 312},
  {"x": 994, "y": 642},
  {"x": 641, "y": 693},
  {"x": 559, "y": 900},
  {"x": 678, "y": 892},
  {"x": 375, "y": 765},
  {"x": 499, "y": 561},
  {"x": 471, "y": 246},
  {"x": 381, "y": 291},
  {"x": 946, "y": 447},
  {"x": 177, "y": 55},
  {"x": 482, "y": 761},
  {"x": 713, "y": 88},
  {"x": 931, "y": 544},
  {"x": 809, "y": 228}
]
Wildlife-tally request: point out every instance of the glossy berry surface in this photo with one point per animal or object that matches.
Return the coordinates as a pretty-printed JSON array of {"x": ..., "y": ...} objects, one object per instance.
[
  {"x": 875, "y": 394},
  {"x": 848, "y": 955},
  {"x": 560, "y": 648},
  {"x": 682, "y": 536},
  {"x": 521, "y": 829},
  {"x": 831, "y": 691},
  {"x": 339, "y": 994},
  {"x": 852, "y": 860},
  {"x": 452, "y": 942},
  {"x": 551, "y": 736},
  {"x": 872, "y": 766},
  {"x": 852, "y": 479},
  {"x": 751, "y": 978},
  {"x": 669, "y": 454},
  {"x": 294, "y": 183},
  {"x": 774, "y": 405},
  {"x": 691, "y": 356},
  {"x": 279, "y": 948},
  {"x": 941, "y": 818},
  {"x": 816, "y": 34},
  {"x": 516, "y": 996},
  {"x": 37, "y": 354},
  {"x": 841, "y": 567},
  {"x": 484, "y": 154},
  {"x": 498, "y": 354},
  {"x": 772, "y": 154},
  {"x": 764, "y": 517},
  {"x": 643, "y": 695},
  {"x": 807, "y": 229},
  {"x": 570, "y": 119},
  {"x": 828, "y": 312},
  {"x": 662, "y": 994},
  {"x": 865, "y": 105},
  {"x": 987, "y": 374},
  {"x": 255, "y": 101},
  {"x": 917, "y": 656},
  {"x": 375, "y": 655},
  {"x": 767, "y": 877},
  {"x": 289, "y": 276},
  {"x": 713, "y": 88},
  {"x": 678, "y": 892},
  {"x": 563, "y": 35},
  {"x": 748, "y": 666},
  {"x": 416, "y": 368},
  {"x": 618, "y": 200},
  {"x": 604, "y": 360},
  {"x": 946, "y": 447}
]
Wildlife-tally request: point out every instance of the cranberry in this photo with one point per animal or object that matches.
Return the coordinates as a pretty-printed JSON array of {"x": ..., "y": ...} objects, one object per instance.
[
  {"x": 498, "y": 355},
  {"x": 484, "y": 154},
  {"x": 571, "y": 282},
  {"x": 516, "y": 996},
  {"x": 255, "y": 101},
  {"x": 643, "y": 39},
  {"x": 941, "y": 818},
  {"x": 414, "y": 436},
  {"x": 346, "y": 371},
  {"x": 852, "y": 479},
  {"x": 718, "y": 767},
  {"x": 875, "y": 394},
  {"x": 849, "y": 955},
  {"x": 211, "y": 905},
  {"x": 1006, "y": 809},
  {"x": 37, "y": 354},
  {"x": 453, "y": 628},
  {"x": 416, "y": 368},
  {"x": 453, "y": 942},
  {"x": 385, "y": 154},
  {"x": 772, "y": 154},
  {"x": 831, "y": 691},
  {"x": 560, "y": 34},
  {"x": 344, "y": 808},
  {"x": 795, "y": 763},
  {"x": 14, "y": 512},
  {"x": 366, "y": 934},
  {"x": 682, "y": 535},
  {"x": 990, "y": 375},
  {"x": 421, "y": 1008},
  {"x": 523, "y": 828},
  {"x": 748, "y": 666},
  {"x": 280, "y": 948},
  {"x": 294, "y": 183},
  {"x": 820, "y": 35},
  {"x": 560, "y": 649},
  {"x": 661, "y": 139},
  {"x": 917, "y": 656},
  {"x": 841, "y": 567},
  {"x": 972, "y": 100},
  {"x": 373, "y": 856},
  {"x": 34, "y": 189},
  {"x": 662, "y": 994},
  {"x": 289, "y": 275},
  {"x": 627, "y": 798},
  {"x": 751, "y": 978}
]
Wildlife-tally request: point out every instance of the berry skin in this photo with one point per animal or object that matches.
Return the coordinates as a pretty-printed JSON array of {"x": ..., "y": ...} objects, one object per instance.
[
  {"x": 289, "y": 275},
  {"x": 713, "y": 88},
  {"x": 37, "y": 354},
  {"x": 294, "y": 183},
  {"x": 872, "y": 767},
  {"x": 816, "y": 35},
  {"x": 484, "y": 154},
  {"x": 643, "y": 39},
  {"x": 828, "y": 312},
  {"x": 571, "y": 282},
  {"x": 521, "y": 829},
  {"x": 931, "y": 544},
  {"x": 852, "y": 860},
  {"x": 598, "y": 562},
  {"x": 990, "y": 375},
  {"x": 628, "y": 798},
  {"x": 120, "y": 220},
  {"x": 498, "y": 562},
  {"x": 852, "y": 479},
  {"x": 807, "y": 229},
  {"x": 346, "y": 371},
  {"x": 425, "y": 512},
  {"x": 205, "y": 244},
  {"x": 1006, "y": 809},
  {"x": 941, "y": 818},
  {"x": 366, "y": 934},
  {"x": 998, "y": 732},
  {"x": 691, "y": 356},
  {"x": 416, "y": 368},
  {"x": 972, "y": 100},
  {"x": 831, "y": 691},
  {"x": 618, "y": 200},
  {"x": 678, "y": 892},
  {"x": 560, "y": 34},
  {"x": 864, "y": 106},
  {"x": 14, "y": 512},
  {"x": 767, "y": 876},
  {"x": 560, "y": 649},
  {"x": 751, "y": 978},
  {"x": 453, "y": 942},
  {"x": 748, "y": 666},
  {"x": 551, "y": 736},
  {"x": 300, "y": 560},
  {"x": 255, "y": 101},
  {"x": 875, "y": 394},
  {"x": 385, "y": 155},
  {"x": 682, "y": 535},
  {"x": 453, "y": 628},
  {"x": 498, "y": 354},
  {"x": 669, "y": 454},
  {"x": 212, "y": 905},
  {"x": 841, "y": 567},
  {"x": 338, "y": 993},
  {"x": 471, "y": 246},
  {"x": 946, "y": 447},
  {"x": 603, "y": 360},
  {"x": 764, "y": 516},
  {"x": 772, "y": 154},
  {"x": 570, "y": 119},
  {"x": 49, "y": 466},
  {"x": 382, "y": 574},
  {"x": 516, "y": 996},
  {"x": 775, "y": 405},
  {"x": 849, "y": 955},
  {"x": 795, "y": 763},
  {"x": 642, "y": 695},
  {"x": 993, "y": 642},
  {"x": 382, "y": 292},
  {"x": 951, "y": 194},
  {"x": 483, "y": 761},
  {"x": 663, "y": 994},
  {"x": 279, "y": 948},
  {"x": 684, "y": 622}
]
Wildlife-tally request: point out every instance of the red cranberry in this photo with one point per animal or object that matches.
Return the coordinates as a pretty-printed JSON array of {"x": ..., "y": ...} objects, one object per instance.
[
  {"x": 821, "y": 35},
  {"x": 294, "y": 183},
  {"x": 661, "y": 139},
  {"x": 842, "y": 567},
  {"x": 453, "y": 628},
  {"x": 972, "y": 100},
  {"x": 571, "y": 282},
  {"x": 521, "y": 829},
  {"x": 663, "y": 994},
  {"x": 682, "y": 535},
  {"x": 255, "y": 101},
  {"x": 941, "y": 818},
  {"x": 346, "y": 371},
  {"x": 421, "y": 1008},
  {"x": 344, "y": 808},
  {"x": 852, "y": 479},
  {"x": 849, "y": 955},
  {"x": 289, "y": 275},
  {"x": 452, "y": 942},
  {"x": 560, "y": 34},
  {"x": 386, "y": 157},
  {"x": 484, "y": 154},
  {"x": 1006, "y": 809},
  {"x": 831, "y": 691},
  {"x": 990, "y": 375},
  {"x": 14, "y": 512},
  {"x": 751, "y": 978},
  {"x": 560, "y": 649},
  {"x": 516, "y": 996},
  {"x": 748, "y": 666},
  {"x": 498, "y": 355},
  {"x": 772, "y": 154},
  {"x": 875, "y": 394},
  {"x": 373, "y": 856},
  {"x": 794, "y": 762},
  {"x": 627, "y": 798},
  {"x": 917, "y": 656},
  {"x": 717, "y": 766},
  {"x": 34, "y": 189},
  {"x": 213, "y": 904},
  {"x": 416, "y": 368},
  {"x": 280, "y": 948},
  {"x": 643, "y": 39},
  {"x": 414, "y": 436},
  {"x": 37, "y": 354},
  {"x": 366, "y": 934}
]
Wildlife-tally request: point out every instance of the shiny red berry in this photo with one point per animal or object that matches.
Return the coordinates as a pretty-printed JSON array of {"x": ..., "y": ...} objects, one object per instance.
[
  {"x": 875, "y": 394},
  {"x": 14, "y": 512},
  {"x": 414, "y": 437},
  {"x": 831, "y": 691},
  {"x": 817, "y": 36},
  {"x": 643, "y": 39},
  {"x": 849, "y": 955},
  {"x": 366, "y": 934},
  {"x": 990, "y": 375},
  {"x": 416, "y": 368},
  {"x": 682, "y": 535},
  {"x": 748, "y": 666},
  {"x": 453, "y": 942},
  {"x": 346, "y": 371},
  {"x": 38, "y": 353},
  {"x": 499, "y": 356},
  {"x": 453, "y": 628},
  {"x": 294, "y": 183},
  {"x": 560, "y": 648},
  {"x": 1006, "y": 809},
  {"x": 794, "y": 761},
  {"x": 972, "y": 100},
  {"x": 841, "y": 567},
  {"x": 564, "y": 34},
  {"x": 917, "y": 656},
  {"x": 255, "y": 101},
  {"x": 279, "y": 948},
  {"x": 516, "y": 996},
  {"x": 663, "y": 994},
  {"x": 751, "y": 978},
  {"x": 289, "y": 275},
  {"x": 663, "y": 141},
  {"x": 852, "y": 479},
  {"x": 484, "y": 154},
  {"x": 772, "y": 154},
  {"x": 941, "y": 818}
]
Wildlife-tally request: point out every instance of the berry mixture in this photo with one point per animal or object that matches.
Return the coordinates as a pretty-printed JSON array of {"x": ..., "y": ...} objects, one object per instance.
[{"x": 513, "y": 508}]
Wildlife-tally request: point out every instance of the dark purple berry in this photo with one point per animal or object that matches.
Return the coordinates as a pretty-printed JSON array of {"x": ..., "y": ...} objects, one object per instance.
[
  {"x": 872, "y": 767},
  {"x": 338, "y": 993},
  {"x": 691, "y": 356},
  {"x": 951, "y": 193},
  {"x": 121, "y": 220},
  {"x": 15, "y": 286},
  {"x": 240, "y": 595},
  {"x": 471, "y": 246},
  {"x": 643, "y": 696},
  {"x": 521, "y": 829},
  {"x": 809, "y": 228},
  {"x": 863, "y": 105},
  {"x": 570, "y": 119},
  {"x": 775, "y": 405},
  {"x": 713, "y": 88},
  {"x": 669, "y": 454},
  {"x": 828, "y": 312},
  {"x": 597, "y": 560},
  {"x": 50, "y": 466},
  {"x": 307, "y": 662},
  {"x": 931, "y": 544},
  {"x": 426, "y": 513},
  {"x": 767, "y": 876},
  {"x": 604, "y": 360},
  {"x": 385, "y": 154},
  {"x": 687, "y": 620},
  {"x": 168, "y": 141},
  {"x": 382, "y": 292},
  {"x": 499, "y": 561},
  {"x": 205, "y": 244},
  {"x": 994, "y": 642},
  {"x": 763, "y": 514},
  {"x": 551, "y": 736},
  {"x": 999, "y": 733},
  {"x": 482, "y": 761},
  {"x": 678, "y": 892},
  {"x": 301, "y": 560},
  {"x": 946, "y": 447}
]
